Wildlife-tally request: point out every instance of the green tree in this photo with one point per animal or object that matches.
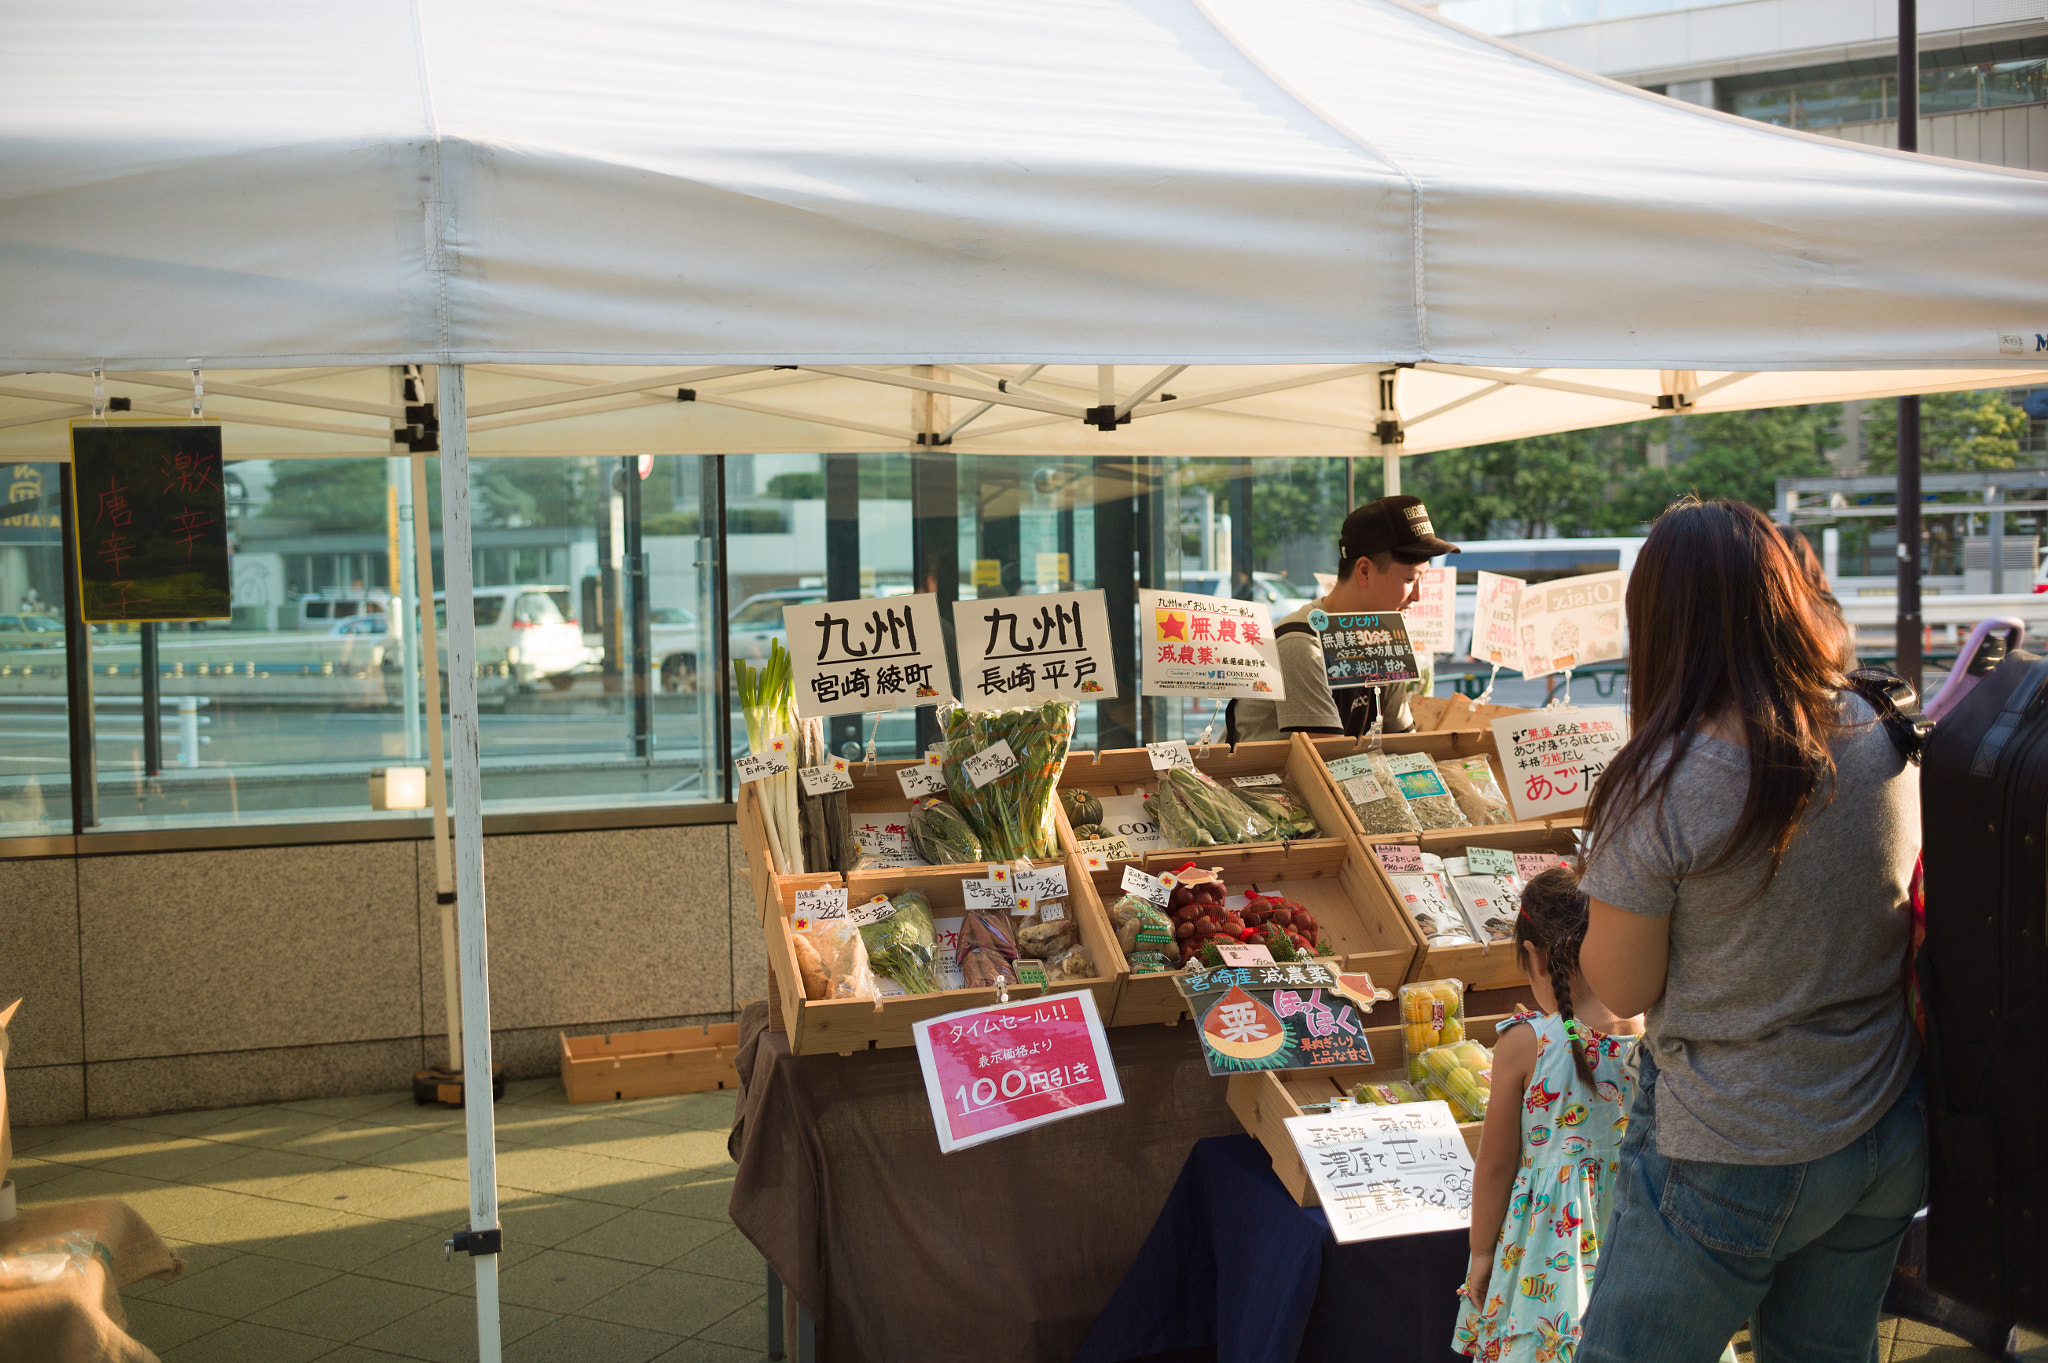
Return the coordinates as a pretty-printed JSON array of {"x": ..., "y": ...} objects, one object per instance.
[
  {"x": 1739, "y": 455},
  {"x": 1959, "y": 432},
  {"x": 1530, "y": 488},
  {"x": 327, "y": 495}
]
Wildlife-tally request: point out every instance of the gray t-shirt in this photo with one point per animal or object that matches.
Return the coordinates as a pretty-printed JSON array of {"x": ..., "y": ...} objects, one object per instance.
[
  {"x": 1309, "y": 703},
  {"x": 1782, "y": 1034}
]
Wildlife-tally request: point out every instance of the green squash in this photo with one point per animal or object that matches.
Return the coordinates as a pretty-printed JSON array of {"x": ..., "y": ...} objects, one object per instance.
[{"x": 1081, "y": 806}]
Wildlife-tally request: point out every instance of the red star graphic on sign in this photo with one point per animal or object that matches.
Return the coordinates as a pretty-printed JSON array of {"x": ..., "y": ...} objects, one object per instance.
[{"x": 1172, "y": 624}]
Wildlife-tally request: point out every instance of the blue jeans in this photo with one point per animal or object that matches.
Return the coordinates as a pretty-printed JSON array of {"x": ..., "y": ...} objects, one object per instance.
[{"x": 1801, "y": 1252}]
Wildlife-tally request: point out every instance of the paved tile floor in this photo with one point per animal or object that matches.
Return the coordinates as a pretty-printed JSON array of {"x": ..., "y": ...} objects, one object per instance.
[{"x": 314, "y": 1230}]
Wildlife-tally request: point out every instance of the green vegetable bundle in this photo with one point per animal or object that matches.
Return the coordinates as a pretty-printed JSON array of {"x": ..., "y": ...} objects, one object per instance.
[
  {"x": 940, "y": 835},
  {"x": 1285, "y": 810},
  {"x": 1194, "y": 811},
  {"x": 904, "y": 946},
  {"x": 1013, "y": 813}
]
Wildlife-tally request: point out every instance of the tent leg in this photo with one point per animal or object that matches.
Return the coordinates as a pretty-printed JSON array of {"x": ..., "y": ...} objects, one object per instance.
[
  {"x": 468, "y": 828},
  {"x": 1390, "y": 461},
  {"x": 1906, "y": 642},
  {"x": 437, "y": 757}
]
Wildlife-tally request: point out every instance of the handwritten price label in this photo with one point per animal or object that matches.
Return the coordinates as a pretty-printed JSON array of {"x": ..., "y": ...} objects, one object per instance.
[
  {"x": 988, "y": 896},
  {"x": 760, "y": 766},
  {"x": 1153, "y": 889},
  {"x": 992, "y": 763},
  {"x": 1553, "y": 757},
  {"x": 826, "y": 779},
  {"x": 1363, "y": 790},
  {"x": 1098, "y": 853},
  {"x": 1397, "y": 859},
  {"x": 1529, "y": 865},
  {"x": 1490, "y": 861},
  {"x": 1271, "y": 778},
  {"x": 1047, "y": 882},
  {"x": 921, "y": 780},
  {"x": 1167, "y": 756},
  {"x": 1243, "y": 954},
  {"x": 874, "y": 911},
  {"x": 821, "y": 904}
]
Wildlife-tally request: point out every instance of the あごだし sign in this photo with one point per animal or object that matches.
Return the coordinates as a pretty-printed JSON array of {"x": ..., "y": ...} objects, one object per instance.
[
  {"x": 1571, "y": 622},
  {"x": 879, "y": 653},
  {"x": 1364, "y": 650},
  {"x": 1278, "y": 1017},
  {"x": 992, "y": 1072},
  {"x": 1553, "y": 757},
  {"x": 1429, "y": 615},
  {"x": 150, "y": 515},
  {"x": 1386, "y": 1171},
  {"x": 1207, "y": 646},
  {"x": 1020, "y": 650}
]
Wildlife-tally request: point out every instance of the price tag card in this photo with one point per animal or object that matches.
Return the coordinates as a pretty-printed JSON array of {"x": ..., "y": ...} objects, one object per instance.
[
  {"x": 826, "y": 779},
  {"x": 1207, "y": 646},
  {"x": 820, "y": 904},
  {"x": 873, "y": 911},
  {"x": 1364, "y": 650},
  {"x": 1363, "y": 790},
  {"x": 921, "y": 780},
  {"x": 1047, "y": 882},
  {"x": 1271, "y": 778},
  {"x": 1022, "y": 650},
  {"x": 1489, "y": 861},
  {"x": 1553, "y": 757},
  {"x": 876, "y": 654},
  {"x": 1398, "y": 859},
  {"x": 988, "y": 896},
  {"x": 992, "y": 1072},
  {"x": 1386, "y": 1171},
  {"x": 1240, "y": 953},
  {"x": 1167, "y": 756},
  {"x": 1529, "y": 865},
  {"x": 992, "y": 763},
  {"x": 1152, "y": 889},
  {"x": 760, "y": 766},
  {"x": 1098, "y": 853},
  {"x": 887, "y": 837}
]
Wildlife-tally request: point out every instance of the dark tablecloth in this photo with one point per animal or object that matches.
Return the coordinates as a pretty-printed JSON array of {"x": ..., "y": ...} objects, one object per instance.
[
  {"x": 1007, "y": 1251},
  {"x": 1234, "y": 1271}
]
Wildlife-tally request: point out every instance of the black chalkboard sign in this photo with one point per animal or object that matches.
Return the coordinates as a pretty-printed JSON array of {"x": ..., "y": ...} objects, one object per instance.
[{"x": 151, "y": 518}]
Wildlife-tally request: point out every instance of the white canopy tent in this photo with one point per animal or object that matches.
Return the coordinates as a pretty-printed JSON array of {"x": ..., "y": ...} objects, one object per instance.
[{"x": 1005, "y": 226}]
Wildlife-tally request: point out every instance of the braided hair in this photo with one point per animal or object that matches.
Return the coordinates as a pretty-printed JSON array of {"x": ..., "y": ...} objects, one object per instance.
[{"x": 1553, "y": 920}]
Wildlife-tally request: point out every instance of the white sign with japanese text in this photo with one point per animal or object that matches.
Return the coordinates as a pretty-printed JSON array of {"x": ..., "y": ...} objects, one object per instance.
[
  {"x": 1207, "y": 646},
  {"x": 882, "y": 653},
  {"x": 1571, "y": 622},
  {"x": 1553, "y": 757},
  {"x": 1494, "y": 614},
  {"x": 1429, "y": 614},
  {"x": 992, "y": 1072},
  {"x": 1021, "y": 650},
  {"x": 1386, "y": 1171}
]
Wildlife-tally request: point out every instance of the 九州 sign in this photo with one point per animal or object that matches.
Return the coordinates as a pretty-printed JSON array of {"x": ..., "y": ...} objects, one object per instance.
[
  {"x": 875, "y": 654},
  {"x": 1020, "y": 650}
]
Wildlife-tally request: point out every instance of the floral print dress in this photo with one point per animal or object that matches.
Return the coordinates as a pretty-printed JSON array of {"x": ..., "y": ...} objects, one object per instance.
[{"x": 1559, "y": 1209}]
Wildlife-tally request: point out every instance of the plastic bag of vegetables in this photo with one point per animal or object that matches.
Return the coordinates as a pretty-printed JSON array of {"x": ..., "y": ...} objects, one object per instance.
[
  {"x": 833, "y": 961},
  {"x": 1284, "y": 809},
  {"x": 939, "y": 833},
  {"x": 1013, "y": 814},
  {"x": 903, "y": 945},
  {"x": 1194, "y": 811}
]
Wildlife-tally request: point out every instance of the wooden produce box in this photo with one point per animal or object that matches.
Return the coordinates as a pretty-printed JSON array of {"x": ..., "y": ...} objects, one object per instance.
[
  {"x": 621, "y": 1065},
  {"x": 1494, "y": 967},
  {"x": 1264, "y": 1099},
  {"x": 765, "y": 871},
  {"x": 1328, "y": 877},
  {"x": 843, "y": 1026}
]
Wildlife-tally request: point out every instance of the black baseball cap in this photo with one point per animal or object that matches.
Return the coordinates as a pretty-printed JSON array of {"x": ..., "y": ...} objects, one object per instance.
[{"x": 1399, "y": 525}]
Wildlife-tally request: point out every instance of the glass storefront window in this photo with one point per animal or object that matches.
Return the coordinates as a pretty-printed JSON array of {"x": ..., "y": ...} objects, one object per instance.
[{"x": 35, "y": 758}]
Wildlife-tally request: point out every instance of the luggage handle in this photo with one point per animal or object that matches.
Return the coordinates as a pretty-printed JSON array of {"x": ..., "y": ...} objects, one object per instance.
[{"x": 2023, "y": 696}]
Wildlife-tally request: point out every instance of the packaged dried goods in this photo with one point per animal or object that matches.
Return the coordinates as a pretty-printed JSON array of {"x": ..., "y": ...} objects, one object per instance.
[
  {"x": 1463, "y": 1071},
  {"x": 1428, "y": 901},
  {"x": 1284, "y": 809},
  {"x": 1070, "y": 963},
  {"x": 1432, "y": 1014},
  {"x": 1387, "y": 1094},
  {"x": 1081, "y": 806},
  {"x": 1429, "y": 799},
  {"x": 1472, "y": 785},
  {"x": 1043, "y": 941},
  {"x": 940, "y": 834},
  {"x": 1142, "y": 928},
  {"x": 1012, "y": 814},
  {"x": 1369, "y": 786},
  {"x": 833, "y": 960},
  {"x": 1489, "y": 903},
  {"x": 1194, "y": 811},
  {"x": 904, "y": 945}
]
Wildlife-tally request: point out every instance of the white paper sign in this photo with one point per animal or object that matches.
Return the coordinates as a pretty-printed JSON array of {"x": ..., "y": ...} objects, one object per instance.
[
  {"x": 1124, "y": 816},
  {"x": 1553, "y": 757},
  {"x": 1207, "y": 646},
  {"x": 1243, "y": 953},
  {"x": 1495, "y": 613},
  {"x": 1387, "y": 1171},
  {"x": 1020, "y": 650},
  {"x": 881, "y": 653},
  {"x": 826, "y": 779},
  {"x": 992, "y": 763},
  {"x": 1166, "y": 756},
  {"x": 1363, "y": 790},
  {"x": 1571, "y": 622},
  {"x": 921, "y": 780},
  {"x": 1429, "y": 615},
  {"x": 1149, "y": 888},
  {"x": 1098, "y": 853},
  {"x": 988, "y": 896},
  {"x": 1271, "y": 778},
  {"x": 816, "y": 906},
  {"x": 873, "y": 911},
  {"x": 760, "y": 766},
  {"x": 886, "y": 837},
  {"x": 1047, "y": 882}
]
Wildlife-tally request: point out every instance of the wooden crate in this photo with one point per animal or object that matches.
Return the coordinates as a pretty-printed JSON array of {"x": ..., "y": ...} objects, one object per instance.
[
  {"x": 1329, "y": 877},
  {"x": 765, "y": 871},
  {"x": 1480, "y": 967},
  {"x": 621, "y": 1065},
  {"x": 1439, "y": 744},
  {"x": 1264, "y": 1099},
  {"x": 842, "y": 1026}
]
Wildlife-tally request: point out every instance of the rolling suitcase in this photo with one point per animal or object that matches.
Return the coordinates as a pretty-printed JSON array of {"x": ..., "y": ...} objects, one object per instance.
[{"x": 1983, "y": 974}]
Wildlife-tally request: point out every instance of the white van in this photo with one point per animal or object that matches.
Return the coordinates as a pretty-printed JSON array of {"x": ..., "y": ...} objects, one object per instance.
[{"x": 525, "y": 628}]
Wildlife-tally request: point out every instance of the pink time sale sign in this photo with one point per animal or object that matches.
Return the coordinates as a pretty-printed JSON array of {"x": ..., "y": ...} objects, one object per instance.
[{"x": 992, "y": 1072}]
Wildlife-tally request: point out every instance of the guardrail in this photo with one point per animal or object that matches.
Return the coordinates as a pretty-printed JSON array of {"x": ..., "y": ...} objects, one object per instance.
[{"x": 53, "y": 708}]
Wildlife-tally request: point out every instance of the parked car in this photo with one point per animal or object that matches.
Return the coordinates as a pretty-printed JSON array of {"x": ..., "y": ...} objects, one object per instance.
[
  {"x": 757, "y": 621},
  {"x": 527, "y": 628},
  {"x": 672, "y": 641}
]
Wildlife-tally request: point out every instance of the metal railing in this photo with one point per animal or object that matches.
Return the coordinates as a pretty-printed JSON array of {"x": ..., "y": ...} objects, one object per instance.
[{"x": 18, "y": 711}]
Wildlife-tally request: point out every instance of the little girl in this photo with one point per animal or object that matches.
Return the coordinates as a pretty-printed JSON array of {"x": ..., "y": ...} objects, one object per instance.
[{"x": 1562, "y": 1083}]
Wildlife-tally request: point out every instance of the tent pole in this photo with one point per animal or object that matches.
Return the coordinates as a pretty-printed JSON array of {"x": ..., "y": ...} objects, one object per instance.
[
  {"x": 1906, "y": 641},
  {"x": 467, "y": 790},
  {"x": 437, "y": 757},
  {"x": 1387, "y": 433}
]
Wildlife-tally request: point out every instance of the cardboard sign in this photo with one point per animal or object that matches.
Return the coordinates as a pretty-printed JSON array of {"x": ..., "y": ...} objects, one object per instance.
[
  {"x": 1364, "y": 650},
  {"x": 883, "y": 653},
  {"x": 1571, "y": 622},
  {"x": 1124, "y": 816},
  {"x": 1553, "y": 757},
  {"x": 151, "y": 516},
  {"x": 1386, "y": 1171},
  {"x": 992, "y": 1072},
  {"x": 1173, "y": 753},
  {"x": 1020, "y": 650},
  {"x": 826, "y": 779},
  {"x": 1275, "y": 1017},
  {"x": 1429, "y": 616},
  {"x": 1495, "y": 613},
  {"x": 1398, "y": 859},
  {"x": 920, "y": 780},
  {"x": 1207, "y": 646},
  {"x": 760, "y": 766},
  {"x": 992, "y": 763}
]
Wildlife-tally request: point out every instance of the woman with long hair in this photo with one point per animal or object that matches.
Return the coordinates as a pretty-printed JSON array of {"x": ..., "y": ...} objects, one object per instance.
[{"x": 1748, "y": 861}]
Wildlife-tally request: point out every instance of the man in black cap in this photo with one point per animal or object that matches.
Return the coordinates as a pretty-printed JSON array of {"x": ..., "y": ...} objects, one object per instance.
[{"x": 1382, "y": 546}]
